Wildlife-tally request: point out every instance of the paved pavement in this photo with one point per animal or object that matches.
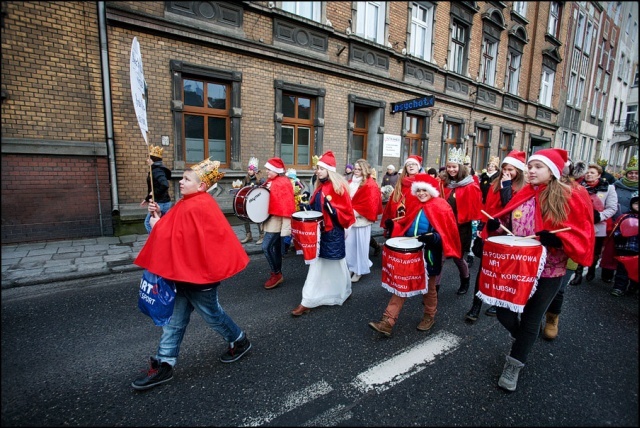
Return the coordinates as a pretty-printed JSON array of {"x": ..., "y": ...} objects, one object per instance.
[{"x": 45, "y": 262}]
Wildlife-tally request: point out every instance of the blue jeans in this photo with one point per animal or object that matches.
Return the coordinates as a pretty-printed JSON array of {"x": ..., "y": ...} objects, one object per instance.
[
  {"x": 272, "y": 248},
  {"x": 164, "y": 207},
  {"x": 206, "y": 303},
  {"x": 525, "y": 327}
]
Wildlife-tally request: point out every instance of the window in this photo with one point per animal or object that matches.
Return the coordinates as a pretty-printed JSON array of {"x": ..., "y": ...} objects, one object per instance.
[
  {"x": 513, "y": 72},
  {"x": 452, "y": 133},
  {"x": 482, "y": 148},
  {"x": 588, "y": 38},
  {"x": 488, "y": 70},
  {"x": 554, "y": 18},
  {"x": 603, "y": 102},
  {"x": 580, "y": 92},
  {"x": 421, "y": 31},
  {"x": 583, "y": 146},
  {"x": 415, "y": 127},
  {"x": 628, "y": 26},
  {"x": 621, "y": 67},
  {"x": 635, "y": 77},
  {"x": 571, "y": 90},
  {"x": 614, "y": 35},
  {"x": 306, "y": 9},
  {"x": 370, "y": 20},
  {"x": 596, "y": 102},
  {"x": 572, "y": 147},
  {"x": 520, "y": 7},
  {"x": 360, "y": 133},
  {"x": 458, "y": 48},
  {"x": 631, "y": 115},
  {"x": 546, "y": 86},
  {"x": 580, "y": 31},
  {"x": 565, "y": 136},
  {"x": 297, "y": 129},
  {"x": 506, "y": 144},
  {"x": 635, "y": 32},
  {"x": 615, "y": 106},
  {"x": 206, "y": 124},
  {"x": 589, "y": 150}
]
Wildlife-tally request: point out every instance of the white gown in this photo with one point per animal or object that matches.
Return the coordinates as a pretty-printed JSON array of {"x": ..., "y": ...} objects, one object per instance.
[{"x": 328, "y": 283}]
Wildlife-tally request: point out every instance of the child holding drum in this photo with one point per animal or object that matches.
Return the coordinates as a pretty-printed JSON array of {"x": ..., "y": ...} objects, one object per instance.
[
  {"x": 396, "y": 204},
  {"x": 543, "y": 206},
  {"x": 328, "y": 281},
  {"x": 252, "y": 179},
  {"x": 430, "y": 219}
]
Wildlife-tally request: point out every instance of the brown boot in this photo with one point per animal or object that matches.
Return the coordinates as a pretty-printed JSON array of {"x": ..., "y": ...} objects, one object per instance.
[
  {"x": 247, "y": 238},
  {"x": 551, "y": 326},
  {"x": 260, "y": 239},
  {"x": 274, "y": 280},
  {"x": 427, "y": 322},
  {"x": 383, "y": 326},
  {"x": 300, "y": 310}
]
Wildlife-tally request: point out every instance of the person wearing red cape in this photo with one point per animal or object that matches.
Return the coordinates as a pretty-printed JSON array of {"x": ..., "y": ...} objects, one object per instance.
[
  {"x": 328, "y": 281},
  {"x": 395, "y": 206},
  {"x": 366, "y": 200},
  {"x": 545, "y": 204},
  {"x": 430, "y": 219},
  {"x": 182, "y": 247}
]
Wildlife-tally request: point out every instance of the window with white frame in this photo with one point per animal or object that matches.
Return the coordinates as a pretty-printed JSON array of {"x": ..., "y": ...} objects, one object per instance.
[
  {"x": 621, "y": 67},
  {"x": 628, "y": 26},
  {"x": 590, "y": 149},
  {"x": 513, "y": 72},
  {"x": 603, "y": 102},
  {"x": 554, "y": 18},
  {"x": 421, "y": 31},
  {"x": 572, "y": 147},
  {"x": 565, "y": 136},
  {"x": 520, "y": 7},
  {"x": 580, "y": 31},
  {"x": 614, "y": 34},
  {"x": 583, "y": 146},
  {"x": 631, "y": 114},
  {"x": 458, "y": 48},
  {"x": 488, "y": 70},
  {"x": 546, "y": 86},
  {"x": 596, "y": 102},
  {"x": 571, "y": 89},
  {"x": 306, "y": 9},
  {"x": 588, "y": 38},
  {"x": 370, "y": 20}
]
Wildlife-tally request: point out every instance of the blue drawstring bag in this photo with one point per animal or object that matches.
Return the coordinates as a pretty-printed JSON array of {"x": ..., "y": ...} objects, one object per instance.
[{"x": 157, "y": 297}]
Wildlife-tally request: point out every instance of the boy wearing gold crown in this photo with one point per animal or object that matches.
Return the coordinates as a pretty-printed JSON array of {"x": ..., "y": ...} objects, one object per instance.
[
  {"x": 161, "y": 178},
  {"x": 180, "y": 248}
]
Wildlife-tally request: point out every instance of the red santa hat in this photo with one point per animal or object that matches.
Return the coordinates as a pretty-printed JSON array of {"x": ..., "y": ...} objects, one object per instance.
[
  {"x": 414, "y": 158},
  {"x": 555, "y": 159},
  {"x": 276, "y": 165},
  {"x": 425, "y": 182},
  {"x": 328, "y": 161},
  {"x": 515, "y": 158}
]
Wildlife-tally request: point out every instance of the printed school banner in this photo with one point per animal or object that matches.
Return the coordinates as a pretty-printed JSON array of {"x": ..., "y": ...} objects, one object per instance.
[
  {"x": 510, "y": 271},
  {"x": 404, "y": 274}
]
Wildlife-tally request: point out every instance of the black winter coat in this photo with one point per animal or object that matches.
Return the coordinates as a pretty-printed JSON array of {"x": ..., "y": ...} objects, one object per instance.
[{"x": 161, "y": 177}]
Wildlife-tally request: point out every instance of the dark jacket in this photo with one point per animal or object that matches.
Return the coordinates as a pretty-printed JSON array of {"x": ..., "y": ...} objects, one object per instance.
[
  {"x": 390, "y": 179},
  {"x": 485, "y": 183},
  {"x": 161, "y": 177}
]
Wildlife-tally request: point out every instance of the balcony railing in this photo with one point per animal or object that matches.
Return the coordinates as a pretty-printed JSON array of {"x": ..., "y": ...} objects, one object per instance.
[{"x": 629, "y": 126}]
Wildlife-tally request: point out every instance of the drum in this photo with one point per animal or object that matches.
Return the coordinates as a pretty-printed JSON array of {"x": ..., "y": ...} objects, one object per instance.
[
  {"x": 305, "y": 233},
  {"x": 510, "y": 270},
  {"x": 404, "y": 270},
  {"x": 251, "y": 203}
]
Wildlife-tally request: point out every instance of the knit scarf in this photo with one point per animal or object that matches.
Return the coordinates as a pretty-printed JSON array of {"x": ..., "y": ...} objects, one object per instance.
[
  {"x": 467, "y": 180},
  {"x": 629, "y": 183}
]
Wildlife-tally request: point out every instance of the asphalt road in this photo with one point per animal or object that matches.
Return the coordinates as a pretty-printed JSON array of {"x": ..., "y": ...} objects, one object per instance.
[{"x": 70, "y": 351}]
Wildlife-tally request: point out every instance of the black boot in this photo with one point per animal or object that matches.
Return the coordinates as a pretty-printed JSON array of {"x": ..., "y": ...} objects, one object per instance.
[
  {"x": 464, "y": 285},
  {"x": 591, "y": 273},
  {"x": 376, "y": 247},
  {"x": 473, "y": 313},
  {"x": 577, "y": 277}
]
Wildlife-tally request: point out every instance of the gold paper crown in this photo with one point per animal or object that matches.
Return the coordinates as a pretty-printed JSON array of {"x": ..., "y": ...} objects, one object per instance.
[
  {"x": 467, "y": 159},
  {"x": 314, "y": 160},
  {"x": 455, "y": 155},
  {"x": 495, "y": 160},
  {"x": 208, "y": 172},
  {"x": 156, "y": 151}
]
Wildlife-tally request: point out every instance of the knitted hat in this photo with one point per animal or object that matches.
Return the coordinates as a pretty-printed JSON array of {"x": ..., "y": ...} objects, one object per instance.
[
  {"x": 156, "y": 151},
  {"x": 349, "y": 166},
  {"x": 292, "y": 173},
  {"x": 276, "y": 165},
  {"x": 425, "y": 182},
  {"x": 414, "y": 159},
  {"x": 328, "y": 161},
  {"x": 494, "y": 160},
  {"x": 555, "y": 159},
  {"x": 207, "y": 171},
  {"x": 391, "y": 167},
  {"x": 253, "y": 164},
  {"x": 515, "y": 158},
  {"x": 630, "y": 168},
  {"x": 455, "y": 156}
]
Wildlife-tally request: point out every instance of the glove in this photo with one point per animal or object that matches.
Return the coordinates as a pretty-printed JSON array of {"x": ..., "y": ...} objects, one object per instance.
[
  {"x": 548, "y": 239},
  {"x": 388, "y": 227},
  {"x": 400, "y": 212},
  {"x": 596, "y": 216},
  {"x": 429, "y": 240},
  {"x": 493, "y": 224}
]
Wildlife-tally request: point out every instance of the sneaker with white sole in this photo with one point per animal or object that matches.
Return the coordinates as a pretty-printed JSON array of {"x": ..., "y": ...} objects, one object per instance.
[{"x": 236, "y": 350}]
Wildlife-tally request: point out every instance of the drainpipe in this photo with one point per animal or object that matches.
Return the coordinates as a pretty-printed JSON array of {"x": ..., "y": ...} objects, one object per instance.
[{"x": 108, "y": 114}]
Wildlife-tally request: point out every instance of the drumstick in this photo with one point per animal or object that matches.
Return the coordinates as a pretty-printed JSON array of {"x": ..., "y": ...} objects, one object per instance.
[
  {"x": 501, "y": 225},
  {"x": 414, "y": 237},
  {"x": 397, "y": 218},
  {"x": 551, "y": 231},
  {"x": 328, "y": 198}
]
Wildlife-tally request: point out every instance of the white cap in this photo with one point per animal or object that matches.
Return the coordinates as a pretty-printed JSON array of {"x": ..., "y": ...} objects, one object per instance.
[{"x": 391, "y": 167}]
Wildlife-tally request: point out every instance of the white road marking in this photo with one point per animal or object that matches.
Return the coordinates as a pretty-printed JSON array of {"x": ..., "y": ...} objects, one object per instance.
[
  {"x": 290, "y": 402},
  {"x": 330, "y": 418},
  {"x": 404, "y": 365}
]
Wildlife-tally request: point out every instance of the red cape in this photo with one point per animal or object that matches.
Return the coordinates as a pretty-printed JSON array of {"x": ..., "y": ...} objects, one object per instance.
[
  {"x": 440, "y": 215},
  {"x": 578, "y": 242},
  {"x": 367, "y": 200},
  {"x": 391, "y": 209},
  {"x": 187, "y": 242},
  {"x": 281, "y": 197},
  {"x": 341, "y": 205},
  {"x": 468, "y": 201}
]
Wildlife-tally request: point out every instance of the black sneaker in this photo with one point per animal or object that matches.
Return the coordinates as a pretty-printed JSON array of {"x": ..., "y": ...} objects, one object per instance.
[
  {"x": 155, "y": 375},
  {"x": 236, "y": 350}
]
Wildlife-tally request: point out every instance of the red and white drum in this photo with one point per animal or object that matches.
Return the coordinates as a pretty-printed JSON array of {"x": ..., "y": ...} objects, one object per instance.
[
  {"x": 305, "y": 233},
  {"x": 510, "y": 270},
  {"x": 251, "y": 203},
  {"x": 404, "y": 270}
]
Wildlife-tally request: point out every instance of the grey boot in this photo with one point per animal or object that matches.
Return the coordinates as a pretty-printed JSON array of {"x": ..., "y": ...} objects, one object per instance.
[
  {"x": 510, "y": 373},
  {"x": 247, "y": 238}
]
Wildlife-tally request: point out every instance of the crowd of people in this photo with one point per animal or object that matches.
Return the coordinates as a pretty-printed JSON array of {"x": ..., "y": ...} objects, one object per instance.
[{"x": 572, "y": 214}]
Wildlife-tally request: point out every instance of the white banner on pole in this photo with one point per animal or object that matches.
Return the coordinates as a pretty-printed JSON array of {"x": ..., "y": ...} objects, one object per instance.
[{"x": 138, "y": 87}]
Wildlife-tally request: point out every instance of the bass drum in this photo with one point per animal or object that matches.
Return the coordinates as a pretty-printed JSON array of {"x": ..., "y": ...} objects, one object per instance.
[{"x": 251, "y": 203}]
